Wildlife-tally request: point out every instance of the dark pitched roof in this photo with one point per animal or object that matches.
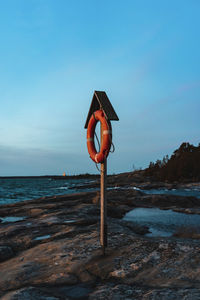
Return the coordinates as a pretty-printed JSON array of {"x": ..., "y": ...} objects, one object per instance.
[{"x": 100, "y": 101}]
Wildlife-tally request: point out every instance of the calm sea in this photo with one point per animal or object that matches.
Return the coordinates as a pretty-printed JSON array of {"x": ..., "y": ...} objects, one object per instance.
[{"x": 18, "y": 189}]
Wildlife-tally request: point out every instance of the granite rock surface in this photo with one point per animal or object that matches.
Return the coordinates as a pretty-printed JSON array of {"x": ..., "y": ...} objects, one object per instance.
[{"x": 52, "y": 250}]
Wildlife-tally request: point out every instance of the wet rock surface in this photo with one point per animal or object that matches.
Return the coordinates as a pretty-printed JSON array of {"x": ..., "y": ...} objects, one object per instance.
[{"x": 53, "y": 252}]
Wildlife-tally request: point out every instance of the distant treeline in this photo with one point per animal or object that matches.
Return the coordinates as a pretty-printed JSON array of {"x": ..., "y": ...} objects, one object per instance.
[
  {"x": 55, "y": 177},
  {"x": 183, "y": 165}
]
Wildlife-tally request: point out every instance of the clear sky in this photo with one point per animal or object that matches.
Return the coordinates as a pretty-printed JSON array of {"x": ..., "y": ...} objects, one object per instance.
[{"x": 55, "y": 53}]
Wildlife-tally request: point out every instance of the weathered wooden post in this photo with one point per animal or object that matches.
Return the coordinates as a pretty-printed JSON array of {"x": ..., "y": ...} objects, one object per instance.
[
  {"x": 103, "y": 203},
  {"x": 101, "y": 110}
]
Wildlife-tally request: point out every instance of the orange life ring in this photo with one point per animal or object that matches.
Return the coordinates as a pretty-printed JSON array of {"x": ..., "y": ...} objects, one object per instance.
[{"x": 106, "y": 140}]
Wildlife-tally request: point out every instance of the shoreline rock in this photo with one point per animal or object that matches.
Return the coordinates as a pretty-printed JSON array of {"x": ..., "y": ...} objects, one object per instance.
[{"x": 54, "y": 252}]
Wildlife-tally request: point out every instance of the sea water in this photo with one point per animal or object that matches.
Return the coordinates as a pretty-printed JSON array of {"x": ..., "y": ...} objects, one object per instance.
[
  {"x": 14, "y": 190},
  {"x": 193, "y": 191}
]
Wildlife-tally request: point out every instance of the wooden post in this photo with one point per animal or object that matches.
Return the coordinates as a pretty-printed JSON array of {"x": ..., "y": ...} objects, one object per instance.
[
  {"x": 103, "y": 229},
  {"x": 100, "y": 101}
]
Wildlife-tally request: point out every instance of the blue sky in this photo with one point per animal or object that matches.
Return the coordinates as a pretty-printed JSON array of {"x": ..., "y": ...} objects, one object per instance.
[{"x": 54, "y": 54}]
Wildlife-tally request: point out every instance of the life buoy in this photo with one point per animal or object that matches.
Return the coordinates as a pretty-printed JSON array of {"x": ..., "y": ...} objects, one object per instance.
[{"x": 106, "y": 139}]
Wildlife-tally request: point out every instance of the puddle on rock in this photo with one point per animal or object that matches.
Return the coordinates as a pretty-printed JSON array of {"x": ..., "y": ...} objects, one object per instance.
[
  {"x": 163, "y": 223},
  {"x": 70, "y": 221},
  {"x": 42, "y": 237},
  {"x": 12, "y": 219}
]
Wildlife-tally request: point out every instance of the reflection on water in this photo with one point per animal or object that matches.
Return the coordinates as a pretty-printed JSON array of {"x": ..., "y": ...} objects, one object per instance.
[{"x": 162, "y": 222}]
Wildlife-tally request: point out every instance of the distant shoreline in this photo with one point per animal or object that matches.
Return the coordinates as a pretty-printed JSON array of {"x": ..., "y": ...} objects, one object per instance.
[
  {"x": 56, "y": 177},
  {"x": 121, "y": 179}
]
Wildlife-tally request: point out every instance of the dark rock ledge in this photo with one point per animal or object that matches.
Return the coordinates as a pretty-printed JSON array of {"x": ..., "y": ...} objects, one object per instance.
[{"x": 54, "y": 253}]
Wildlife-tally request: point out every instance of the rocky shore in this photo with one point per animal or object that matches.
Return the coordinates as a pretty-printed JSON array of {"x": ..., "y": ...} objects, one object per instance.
[
  {"x": 51, "y": 249},
  {"x": 139, "y": 180}
]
